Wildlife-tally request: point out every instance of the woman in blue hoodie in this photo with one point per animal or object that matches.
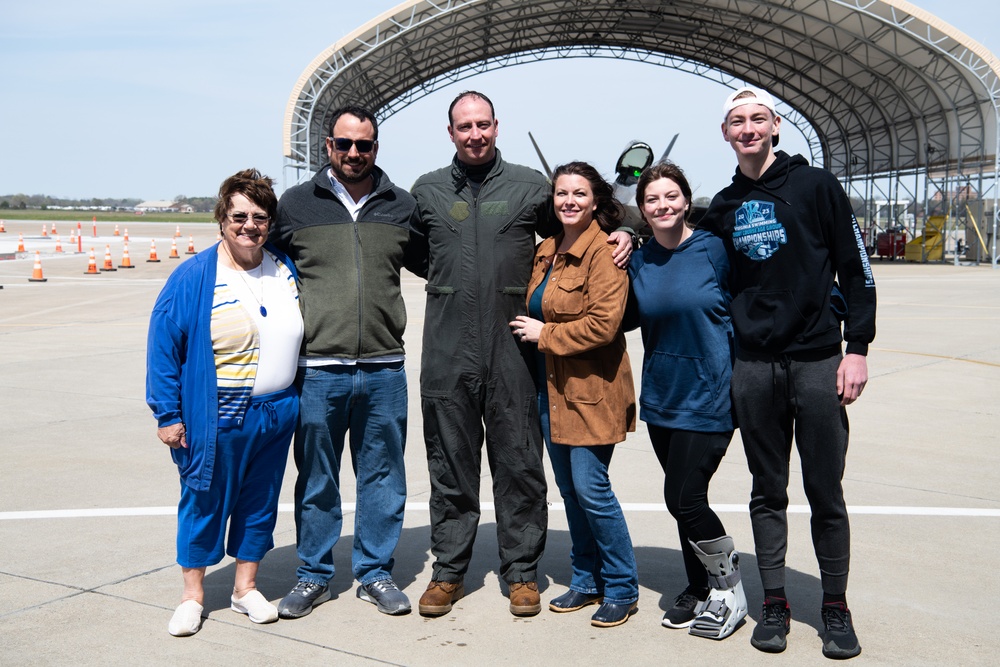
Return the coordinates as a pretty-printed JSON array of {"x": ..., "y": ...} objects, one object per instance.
[{"x": 679, "y": 296}]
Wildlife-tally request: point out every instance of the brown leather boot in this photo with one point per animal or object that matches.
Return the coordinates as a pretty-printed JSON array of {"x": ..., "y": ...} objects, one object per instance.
[
  {"x": 439, "y": 596},
  {"x": 524, "y": 599}
]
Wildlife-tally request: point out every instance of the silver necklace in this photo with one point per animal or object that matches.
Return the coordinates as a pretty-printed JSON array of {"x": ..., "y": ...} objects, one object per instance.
[{"x": 260, "y": 279}]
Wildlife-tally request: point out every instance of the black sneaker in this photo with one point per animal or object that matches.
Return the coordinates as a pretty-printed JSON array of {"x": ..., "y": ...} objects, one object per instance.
[
  {"x": 774, "y": 624},
  {"x": 839, "y": 640},
  {"x": 301, "y": 600},
  {"x": 683, "y": 611}
]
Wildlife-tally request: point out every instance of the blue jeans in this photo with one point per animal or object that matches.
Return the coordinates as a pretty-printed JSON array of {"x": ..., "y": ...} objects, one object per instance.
[
  {"x": 601, "y": 556},
  {"x": 369, "y": 400}
]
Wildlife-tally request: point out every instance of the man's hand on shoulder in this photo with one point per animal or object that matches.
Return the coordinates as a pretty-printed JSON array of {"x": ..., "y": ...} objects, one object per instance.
[
  {"x": 852, "y": 376},
  {"x": 622, "y": 241}
]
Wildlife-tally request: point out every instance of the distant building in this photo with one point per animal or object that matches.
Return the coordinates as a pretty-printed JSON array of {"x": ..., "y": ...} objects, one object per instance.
[{"x": 157, "y": 207}]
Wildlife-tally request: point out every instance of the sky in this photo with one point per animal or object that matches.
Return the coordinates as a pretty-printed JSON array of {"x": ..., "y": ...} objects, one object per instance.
[{"x": 160, "y": 98}]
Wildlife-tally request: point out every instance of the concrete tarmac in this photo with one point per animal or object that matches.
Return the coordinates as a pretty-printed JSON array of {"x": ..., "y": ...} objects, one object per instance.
[{"x": 88, "y": 497}]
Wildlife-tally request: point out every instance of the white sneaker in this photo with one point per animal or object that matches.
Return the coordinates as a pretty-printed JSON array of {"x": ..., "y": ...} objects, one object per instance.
[
  {"x": 256, "y": 606},
  {"x": 186, "y": 619}
]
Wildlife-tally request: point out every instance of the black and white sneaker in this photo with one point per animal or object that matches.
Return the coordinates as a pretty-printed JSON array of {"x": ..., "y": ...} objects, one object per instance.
[
  {"x": 684, "y": 610},
  {"x": 386, "y": 596},
  {"x": 839, "y": 640},
  {"x": 774, "y": 624},
  {"x": 301, "y": 600}
]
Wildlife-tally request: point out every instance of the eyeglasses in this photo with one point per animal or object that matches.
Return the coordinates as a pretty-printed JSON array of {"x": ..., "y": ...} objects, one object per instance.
[
  {"x": 343, "y": 145},
  {"x": 259, "y": 219}
]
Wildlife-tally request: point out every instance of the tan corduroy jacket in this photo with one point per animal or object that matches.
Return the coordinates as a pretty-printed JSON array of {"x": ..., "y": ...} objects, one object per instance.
[{"x": 591, "y": 395}]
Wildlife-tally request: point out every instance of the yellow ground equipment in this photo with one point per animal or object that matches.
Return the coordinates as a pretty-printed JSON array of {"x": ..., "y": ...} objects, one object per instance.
[{"x": 928, "y": 246}]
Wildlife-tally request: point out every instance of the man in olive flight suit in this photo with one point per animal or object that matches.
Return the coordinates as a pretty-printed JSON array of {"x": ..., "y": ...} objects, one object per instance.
[{"x": 478, "y": 218}]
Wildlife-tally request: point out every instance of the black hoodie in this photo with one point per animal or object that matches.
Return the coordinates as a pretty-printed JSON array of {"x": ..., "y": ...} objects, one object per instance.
[{"x": 789, "y": 236}]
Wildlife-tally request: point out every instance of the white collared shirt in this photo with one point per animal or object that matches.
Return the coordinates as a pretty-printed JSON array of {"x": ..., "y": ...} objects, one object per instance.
[{"x": 353, "y": 207}]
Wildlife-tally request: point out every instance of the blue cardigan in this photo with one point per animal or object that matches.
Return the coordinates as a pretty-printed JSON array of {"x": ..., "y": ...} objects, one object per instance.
[
  {"x": 181, "y": 384},
  {"x": 680, "y": 298}
]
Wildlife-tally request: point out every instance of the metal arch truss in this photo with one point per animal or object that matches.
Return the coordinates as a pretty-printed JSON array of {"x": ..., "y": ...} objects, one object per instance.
[
  {"x": 788, "y": 114},
  {"x": 896, "y": 103}
]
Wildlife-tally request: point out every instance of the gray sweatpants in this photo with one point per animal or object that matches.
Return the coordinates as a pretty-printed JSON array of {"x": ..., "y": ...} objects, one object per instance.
[{"x": 775, "y": 399}]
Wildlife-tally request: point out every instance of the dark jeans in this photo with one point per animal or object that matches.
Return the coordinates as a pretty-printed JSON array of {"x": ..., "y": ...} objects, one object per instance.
[
  {"x": 689, "y": 460},
  {"x": 776, "y": 399}
]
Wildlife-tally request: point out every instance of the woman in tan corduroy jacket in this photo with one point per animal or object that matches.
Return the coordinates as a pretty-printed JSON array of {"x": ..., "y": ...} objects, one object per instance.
[{"x": 576, "y": 299}]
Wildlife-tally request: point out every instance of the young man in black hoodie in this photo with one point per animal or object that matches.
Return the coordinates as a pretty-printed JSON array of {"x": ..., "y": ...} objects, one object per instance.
[{"x": 791, "y": 233}]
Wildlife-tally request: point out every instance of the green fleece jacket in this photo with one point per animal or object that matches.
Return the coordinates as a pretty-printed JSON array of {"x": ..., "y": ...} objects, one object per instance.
[{"x": 348, "y": 272}]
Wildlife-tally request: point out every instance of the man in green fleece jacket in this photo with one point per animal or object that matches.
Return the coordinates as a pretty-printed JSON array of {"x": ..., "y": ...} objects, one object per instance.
[{"x": 346, "y": 230}]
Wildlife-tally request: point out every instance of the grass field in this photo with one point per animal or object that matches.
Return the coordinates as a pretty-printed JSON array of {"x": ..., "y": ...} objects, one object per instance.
[{"x": 102, "y": 216}]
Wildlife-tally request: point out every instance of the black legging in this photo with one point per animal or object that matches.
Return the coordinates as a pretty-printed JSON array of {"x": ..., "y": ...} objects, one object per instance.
[{"x": 689, "y": 459}]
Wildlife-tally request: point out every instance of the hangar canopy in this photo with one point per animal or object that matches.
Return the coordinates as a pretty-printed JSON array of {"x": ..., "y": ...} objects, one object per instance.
[{"x": 891, "y": 99}]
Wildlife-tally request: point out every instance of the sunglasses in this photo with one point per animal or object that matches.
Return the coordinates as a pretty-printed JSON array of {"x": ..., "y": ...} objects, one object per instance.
[
  {"x": 343, "y": 145},
  {"x": 243, "y": 218}
]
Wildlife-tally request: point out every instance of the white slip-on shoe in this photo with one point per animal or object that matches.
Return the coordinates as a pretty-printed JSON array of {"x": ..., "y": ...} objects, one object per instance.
[
  {"x": 256, "y": 606},
  {"x": 186, "y": 619}
]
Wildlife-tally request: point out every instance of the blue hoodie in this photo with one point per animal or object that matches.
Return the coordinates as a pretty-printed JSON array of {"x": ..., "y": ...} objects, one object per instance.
[{"x": 680, "y": 299}]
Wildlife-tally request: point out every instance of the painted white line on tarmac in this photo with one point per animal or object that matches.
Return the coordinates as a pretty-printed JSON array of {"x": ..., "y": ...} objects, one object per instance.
[{"x": 414, "y": 507}]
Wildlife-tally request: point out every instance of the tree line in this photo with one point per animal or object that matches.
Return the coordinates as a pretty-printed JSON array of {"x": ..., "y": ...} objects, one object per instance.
[{"x": 43, "y": 202}]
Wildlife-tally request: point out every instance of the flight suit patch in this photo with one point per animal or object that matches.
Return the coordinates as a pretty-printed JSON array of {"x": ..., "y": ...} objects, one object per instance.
[
  {"x": 459, "y": 211},
  {"x": 494, "y": 208}
]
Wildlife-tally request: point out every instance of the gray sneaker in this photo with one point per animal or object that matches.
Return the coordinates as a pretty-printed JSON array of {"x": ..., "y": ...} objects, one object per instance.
[
  {"x": 386, "y": 596},
  {"x": 301, "y": 600}
]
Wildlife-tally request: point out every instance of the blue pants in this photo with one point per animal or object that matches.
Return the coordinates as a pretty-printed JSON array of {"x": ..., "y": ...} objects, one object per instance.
[
  {"x": 602, "y": 556},
  {"x": 369, "y": 400},
  {"x": 249, "y": 464}
]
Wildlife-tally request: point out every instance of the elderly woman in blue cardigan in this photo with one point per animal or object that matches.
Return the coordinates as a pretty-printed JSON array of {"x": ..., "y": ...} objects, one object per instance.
[{"x": 222, "y": 351}]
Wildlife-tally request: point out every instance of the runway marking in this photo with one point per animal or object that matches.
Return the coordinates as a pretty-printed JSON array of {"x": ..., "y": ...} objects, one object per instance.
[
  {"x": 937, "y": 356},
  {"x": 893, "y": 510}
]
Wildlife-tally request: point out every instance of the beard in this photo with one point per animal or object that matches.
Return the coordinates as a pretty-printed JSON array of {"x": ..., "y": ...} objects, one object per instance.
[{"x": 353, "y": 176}]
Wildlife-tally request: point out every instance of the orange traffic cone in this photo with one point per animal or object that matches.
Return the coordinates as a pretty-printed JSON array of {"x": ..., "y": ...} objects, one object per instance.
[
  {"x": 108, "y": 264},
  {"x": 36, "y": 272},
  {"x": 54, "y": 232},
  {"x": 91, "y": 265},
  {"x": 72, "y": 238},
  {"x": 152, "y": 251},
  {"x": 190, "y": 250},
  {"x": 58, "y": 244},
  {"x": 3, "y": 230},
  {"x": 126, "y": 260},
  {"x": 45, "y": 231},
  {"x": 173, "y": 250},
  {"x": 177, "y": 232},
  {"x": 117, "y": 233},
  {"x": 125, "y": 237},
  {"x": 20, "y": 242}
]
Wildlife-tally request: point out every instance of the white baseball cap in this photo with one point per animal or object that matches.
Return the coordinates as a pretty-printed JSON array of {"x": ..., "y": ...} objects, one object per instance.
[{"x": 759, "y": 96}]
